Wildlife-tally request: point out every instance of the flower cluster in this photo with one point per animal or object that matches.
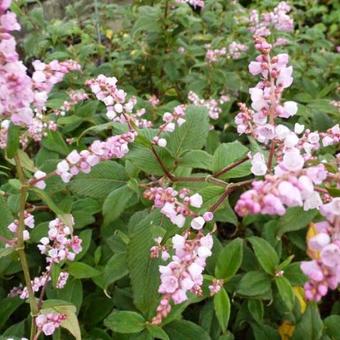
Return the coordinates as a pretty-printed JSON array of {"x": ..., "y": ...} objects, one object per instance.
[
  {"x": 170, "y": 121},
  {"x": 213, "y": 105},
  {"x": 119, "y": 107},
  {"x": 323, "y": 271},
  {"x": 278, "y": 19},
  {"x": 28, "y": 222},
  {"x": 288, "y": 189},
  {"x": 16, "y": 93},
  {"x": 214, "y": 55},
  {"x": 60, "y": 245},
  {"x": 49, "y": 322},
  {"x": 46, "y": 76},
  {"x": 76, "y": 96},
  {"x": 184, "y": 273},
  {"x": 215, "y": 286},
  {"x": 173, "y": 204},
  {"x": 266, "y": 95},
  {"x": 22, "y": 99},
  {"x": 236, "y": 49},
  {"x": 83, "y": 161}
]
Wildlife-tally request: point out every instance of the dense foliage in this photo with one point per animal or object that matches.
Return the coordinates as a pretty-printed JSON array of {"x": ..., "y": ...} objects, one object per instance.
[{"x": 170, "y": 170}]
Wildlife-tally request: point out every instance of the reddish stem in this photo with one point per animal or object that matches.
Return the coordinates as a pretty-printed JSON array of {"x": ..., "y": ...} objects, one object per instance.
[{"x": 230, "y": 166}]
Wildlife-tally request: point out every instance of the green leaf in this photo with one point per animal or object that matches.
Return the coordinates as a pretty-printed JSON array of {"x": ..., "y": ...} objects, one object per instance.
[
  {"x": 286, "y": 291},
  {"x": 13, "y": 140},
  {"x": 115, "y": 269},
  {"x": 157, "y": 332},
  {"x": 85, "y": 236},
  {"x": 143, "y": 270},
  {"x": 265, "y": 254},
  {"x": 228, "y": 153},
  {"x": 183, "y": 329},
  {"x": 103, "y": 178},
  {"x": 229, "y": 260},
  {"x": 143, "y": 158},
  {"x": 55, "y": 142},
  {"x": 192, "y": 134},
  {"x": 8, "y": 307},
  {"x": 6, "y": 251},
  {"x": 81, "y": 270},
  {"x": 332, "y": 323},
  {"x": 254, "y": 284},
  {"x": 256, "y": 309},
  {"x": 222, "y": 308},
  {"x": 310, "y": 325},
  {"x": 295, "y": 219},
  {"x": 116, "y": 202},
  {"x": 196, "y": 159},
  {"x": 125, "y": 322},
  {"x": 66, "y": 218}
]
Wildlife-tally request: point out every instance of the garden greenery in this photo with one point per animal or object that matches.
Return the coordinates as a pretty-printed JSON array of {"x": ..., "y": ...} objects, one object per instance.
[{"x": 170, "y": 170}]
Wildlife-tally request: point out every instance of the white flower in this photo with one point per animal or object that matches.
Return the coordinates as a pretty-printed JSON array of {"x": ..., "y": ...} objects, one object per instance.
[
  {"x": 258, "y": 165},
  {"x": 298, "y": 128},
  {"x": 161, "y": 142},
  {"x": 197, "y": 223},
  {"x": 196, "y": 200}
]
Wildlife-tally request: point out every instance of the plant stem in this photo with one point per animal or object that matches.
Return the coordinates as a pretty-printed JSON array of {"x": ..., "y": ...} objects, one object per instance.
[
  {"x": 165, "y": 170},
  {"x": 166, "y": 9},
  {"x": 230, "y": 166},
  {"x": 21, "y": 246}
]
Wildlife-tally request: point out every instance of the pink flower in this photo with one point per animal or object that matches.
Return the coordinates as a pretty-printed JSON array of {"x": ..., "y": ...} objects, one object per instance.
[{"x": 330, "y": 255}]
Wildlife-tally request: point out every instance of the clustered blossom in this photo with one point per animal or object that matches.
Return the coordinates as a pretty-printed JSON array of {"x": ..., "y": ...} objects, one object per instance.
[
  {"x": 28, "y": 222},
  {"x": 215, "y": 286},
  {"x": 266, "y": 95},
  {"x": 213, "y": 105},
  {"x": 173, "y": 204},
  {"x": 83, "y": 161},
  {"x": 260, "y": 25},
  {"x": 214, "y": 55},
  {"x": 76, "y": 96},
  {"x": 22, "y": 99},
  {"x": 60, "y": 245},
  {"x": 49, "y": 322},
  {"x": 16, "y": 94},
  {"x": 236, "y": 49},
  {"x": 194, "y": 3},
  {"x": 46, "y": 76},
  {"x": 284, "y": 189},
  {"x": 154, "y": 100},
  {"x": 184, "y": 273},
  {"x": 119, "y": 107},
  {"x": 171, "y": 120},
  {"x": 323, "y": 271}
]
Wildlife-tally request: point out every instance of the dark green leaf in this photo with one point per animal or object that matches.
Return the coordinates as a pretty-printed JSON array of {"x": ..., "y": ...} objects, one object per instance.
[
  {"x": 286, "y": 291},
  {"x": 229, "y": 260},
  {"x": 222, "y": 308},
  {"x": 265, "y": 254},
  {"x": 125, "y": 322}
]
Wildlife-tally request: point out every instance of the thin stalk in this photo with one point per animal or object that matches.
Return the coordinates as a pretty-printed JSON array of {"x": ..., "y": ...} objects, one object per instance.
[
  {"x": 230, "y": 167},
  {"x": 99, "y": 38},
  {"x": 21, "y": 245},
  {"x": 164, "y": 168}
]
